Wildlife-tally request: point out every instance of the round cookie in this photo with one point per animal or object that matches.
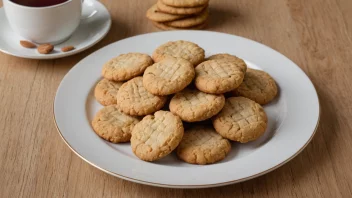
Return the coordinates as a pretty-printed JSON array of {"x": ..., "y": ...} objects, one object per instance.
[
  {"x": 219, "y": 76},
  {"x": 126, "y": 66},
  {"x": 202, "y": 145},
  {"x": 162, "y": 26},
  {"x": 223, "y": 56},
  {"x": 180, "y": 49},
  {"x": 192, "y": 105},
  {"x": 168, "y": 76},
  {"x": 241, "y": 120},
  {"x": 113, "y": 125},
  {"x": 185, "y": 3},
  {"x": 155, "y": 15},
  {"x": 156, "y": 136},
  {"x": 133, "y": 99},
  {"x": 105, "y": 91},
  {"x": 190, "y": 21},
  {"x": 181, "y": 11},
  {"x": 258, "y": 86}
]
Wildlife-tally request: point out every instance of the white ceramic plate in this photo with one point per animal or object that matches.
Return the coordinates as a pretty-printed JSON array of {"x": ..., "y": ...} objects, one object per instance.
[
  {"x": 293, "y": 116},
  {"x": 95, "y": 25}
]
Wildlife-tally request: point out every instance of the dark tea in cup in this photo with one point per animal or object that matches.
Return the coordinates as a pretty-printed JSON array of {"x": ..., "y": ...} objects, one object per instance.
[{"x": 38, "y": 3}]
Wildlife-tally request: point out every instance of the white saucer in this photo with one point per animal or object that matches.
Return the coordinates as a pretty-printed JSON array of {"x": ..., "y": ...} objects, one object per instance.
[{"x": 95, "y": 25}]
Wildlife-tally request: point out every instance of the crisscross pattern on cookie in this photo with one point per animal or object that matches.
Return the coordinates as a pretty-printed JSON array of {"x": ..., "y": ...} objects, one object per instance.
[
  {"x": 126, "y": 66},
  {"x": 180, "y": 49},
  {"x": 202, "y": 145},
  {"x": 133, "y": 99},
  {"x": 193, "y": 105},
  {"x": 241, "y": 120},
  {"x": 224, "y": 56},
  {"x": 258, "y": 86},
  {"x": 113, "y": 125},
  {"x": 156, "y": 136},
  {"x": 168, "y": 76},
  {"x": 106, "y": 90},
  {"x": 219, "y": 76}
]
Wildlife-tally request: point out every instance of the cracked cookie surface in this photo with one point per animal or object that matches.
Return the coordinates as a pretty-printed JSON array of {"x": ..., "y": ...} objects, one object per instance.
[
  {"x": 193, "y": 105},
  {"x": 202, "y": 145},
  {"x": 180, "y": 49},
  {"x": 219, "y": 76},
  {"x": 133, "y": 99},
  {"x": 126, "y": 66},
  {"x": 156, "y": 135},
  {"x": 105, "y": 91},
  {"x": 258, "y": 86},
  {"x": 168, "y": 76},
  {"x": 113, "y": 125},
  {"x": 241, "y": 120}
]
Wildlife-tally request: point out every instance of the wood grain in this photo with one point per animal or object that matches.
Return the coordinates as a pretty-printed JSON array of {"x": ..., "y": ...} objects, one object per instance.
[{"x": 35, "y": 162}]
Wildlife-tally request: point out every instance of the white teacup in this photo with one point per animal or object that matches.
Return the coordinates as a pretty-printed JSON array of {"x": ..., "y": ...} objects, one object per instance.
[{"x": 51, "y": 24}]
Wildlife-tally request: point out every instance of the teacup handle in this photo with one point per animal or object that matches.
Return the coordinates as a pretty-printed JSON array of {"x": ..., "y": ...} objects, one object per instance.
[{"x": 88, "y": 11}]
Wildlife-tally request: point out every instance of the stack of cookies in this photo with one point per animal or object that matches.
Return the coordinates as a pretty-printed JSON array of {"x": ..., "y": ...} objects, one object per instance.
[
  {"x": 175, "y": 100},
  {"x": 179, "y": 14}
]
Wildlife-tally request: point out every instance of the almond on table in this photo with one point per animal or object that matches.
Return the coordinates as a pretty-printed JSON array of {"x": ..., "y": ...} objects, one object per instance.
[
  {"x": 27, "y": 44},
  {"x": 45, "y": 48}
]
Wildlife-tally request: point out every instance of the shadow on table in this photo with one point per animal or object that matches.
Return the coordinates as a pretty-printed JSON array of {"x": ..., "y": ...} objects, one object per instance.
[{"x": 220, "y": 16}]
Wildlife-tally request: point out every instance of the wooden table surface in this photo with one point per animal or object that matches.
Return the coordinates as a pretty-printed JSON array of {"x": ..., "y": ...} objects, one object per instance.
[{"x": 317, "y": 35}]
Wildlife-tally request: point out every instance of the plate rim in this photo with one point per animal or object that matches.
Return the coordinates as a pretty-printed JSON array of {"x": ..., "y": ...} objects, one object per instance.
[
  {"x": 204, "y": 185},
  {"x": 187, "y": 186},
  {"x": 62, "y": 55}
]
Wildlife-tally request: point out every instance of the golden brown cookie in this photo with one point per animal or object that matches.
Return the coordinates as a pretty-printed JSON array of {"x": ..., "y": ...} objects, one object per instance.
[
  {"x": 202, "y": 145},
  {"x": 193, "y": 105},
  {"x": 126, "y": 66},
  {"x": 168, "y": 76},
  {"x": 182, "y": 11},
  {"x": 133, "y": 99},
  {"x": 241, "y": 120},
  {"x": 258, "y": 86},
  {"x": 180, "y": 49},
  {"x": 155, "y": 15},
  {"x": 185, "y": 3},
  {"x": 156, "y": 135},
  {"x": 219, "y": 76},
  {"x": 189, "y": 21},
  {"x": 223, "y": 56},
  {"x": 106, "y": 90},
  {"x": 162, "y": 26},
  {"x": 113, "y": 125}
]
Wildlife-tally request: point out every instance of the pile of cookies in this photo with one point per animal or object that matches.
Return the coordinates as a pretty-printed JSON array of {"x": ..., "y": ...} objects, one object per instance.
[
  {"x": 175, "y": 100},
  {"x": 179, "y": 14}
]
